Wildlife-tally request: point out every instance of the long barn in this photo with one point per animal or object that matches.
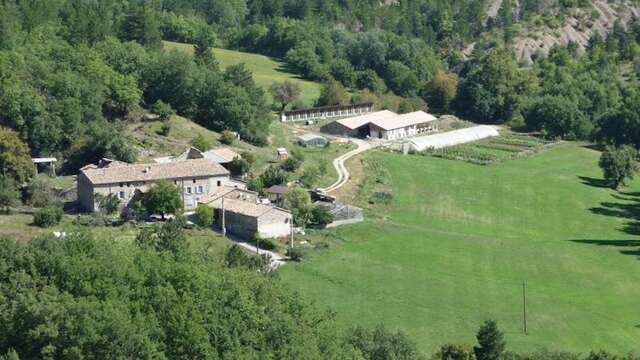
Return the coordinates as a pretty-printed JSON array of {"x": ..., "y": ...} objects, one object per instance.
[{"x": 383, "y": 124}]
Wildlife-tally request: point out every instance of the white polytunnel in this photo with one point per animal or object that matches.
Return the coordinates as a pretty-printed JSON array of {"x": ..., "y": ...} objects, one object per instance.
[{"x": 451, "y": 138}]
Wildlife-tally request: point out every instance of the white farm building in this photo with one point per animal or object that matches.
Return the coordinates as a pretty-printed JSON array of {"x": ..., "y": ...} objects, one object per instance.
[
  {"x": 383, "y": 124},
  {"x": 450, "y": 138}
]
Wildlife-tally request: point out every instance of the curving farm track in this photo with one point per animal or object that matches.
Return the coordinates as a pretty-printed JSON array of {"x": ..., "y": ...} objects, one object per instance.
[{"x": 338, "y": 163}]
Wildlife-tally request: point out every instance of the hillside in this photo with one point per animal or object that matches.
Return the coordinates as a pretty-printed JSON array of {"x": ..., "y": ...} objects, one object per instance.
[
  {"x": 265, "y": 70},
  {"x": 457, "y": 241},
  {"x": 558, "y": 27}
]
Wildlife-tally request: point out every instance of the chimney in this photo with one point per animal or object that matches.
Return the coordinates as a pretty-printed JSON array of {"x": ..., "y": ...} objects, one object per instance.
[{"x": 147, "y": 169}]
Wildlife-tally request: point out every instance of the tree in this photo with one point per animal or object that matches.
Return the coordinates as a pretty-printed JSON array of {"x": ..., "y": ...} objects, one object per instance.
[
  {"x": 204, "y": 216},
  {"x": 203, "y": 47},
  {"x": 441, "y": 91},
  {"x": 163, "y": 198},
  {"x": 454, "y": 352},
  {"x": 558, "y": 116},
  {"x": 200, "y": 143},
  {"x": 333, "y": 93},
  {"x": 239, "y": 166},
  {"x": 286, "y": 92},
  {"x": 321, "y": 215},
  {"x": 169, "y": 236},
  {"x": 39, "y": 192},
  {"x": 297, "y": 200},
  {"x": 291, "y": 164},
  {"x": 273, "y": 175},
  {"x": 15, "y": 159},
  {"x": 619, "y": 164},
  {"x": 491, "y": 344},
  {"x": 109, "y": 204},
  {"x": 48, "y": 216},
  {"x": 9, "y": 195},
  {"x": 227, "y": 137}
]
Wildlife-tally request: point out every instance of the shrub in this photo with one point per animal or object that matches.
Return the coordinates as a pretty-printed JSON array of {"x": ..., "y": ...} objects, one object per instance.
[
  {"x": 227, "y": 137},
  {"x": 290, "y": 165},
  {"x": 266, "y": 244},
  {"x": 249, "y": 157},
  {"x": 321, "y": 215},
  {"x": 39, "y": 192},
  {"x": 163, "y": 109},
  {"x": 164, "y": 129},
  {"x": 204, "y": 216},
  {"x": 296, "y": 253},
  {"x": 108, "y": 204},
  {"x": 95, "y": 219},
  {"x": 48, "y": 216},
  {"x": 236, "y": 257},
  {"x": 200, "y": 143},
  {"x": 381, "y": 197},
  {"x": 239, "y": 167}
]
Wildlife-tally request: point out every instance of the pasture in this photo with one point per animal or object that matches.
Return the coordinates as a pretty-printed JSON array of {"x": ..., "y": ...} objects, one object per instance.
[
  {"x": 457, "y": 240},
  {"x": 265, "y": 70}
]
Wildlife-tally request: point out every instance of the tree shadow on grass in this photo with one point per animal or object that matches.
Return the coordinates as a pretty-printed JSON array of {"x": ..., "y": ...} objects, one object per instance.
[
  {"x": 626, "y": 245},
  {"x": 600, "y": 183},
  {"x": 628, "y": 208}
]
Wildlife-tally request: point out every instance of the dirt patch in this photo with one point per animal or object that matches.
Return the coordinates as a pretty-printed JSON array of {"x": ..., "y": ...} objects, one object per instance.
[{"x": 348, "y": 191}]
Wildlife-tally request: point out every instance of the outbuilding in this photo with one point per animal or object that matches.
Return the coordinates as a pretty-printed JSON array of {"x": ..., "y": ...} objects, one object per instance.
[{"x": 312, "y": 140}]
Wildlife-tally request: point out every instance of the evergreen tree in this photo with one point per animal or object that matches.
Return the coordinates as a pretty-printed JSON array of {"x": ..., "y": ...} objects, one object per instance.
[{"x": 491, "y": 344}]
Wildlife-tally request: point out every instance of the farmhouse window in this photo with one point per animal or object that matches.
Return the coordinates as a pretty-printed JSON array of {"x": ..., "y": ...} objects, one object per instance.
[{"x": 189, "y": 190}]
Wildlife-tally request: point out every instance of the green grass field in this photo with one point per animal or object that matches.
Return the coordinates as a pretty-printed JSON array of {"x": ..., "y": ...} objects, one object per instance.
[
  {"x": 457, "y": 241},
  {"x": 265, "y": 70}
]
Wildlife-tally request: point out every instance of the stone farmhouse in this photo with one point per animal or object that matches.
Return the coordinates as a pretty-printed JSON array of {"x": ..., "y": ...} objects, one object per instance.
[
  {"x": 196, "y": 178},
  {"x": 384, "y": 124},
  {"x": 241, "y": 213}
]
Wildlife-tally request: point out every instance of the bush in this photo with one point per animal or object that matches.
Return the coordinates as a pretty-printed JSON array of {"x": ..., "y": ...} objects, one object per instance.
[
  {"x": 200, "y": 143},
  {"x": 163, "y": 109},
  {"x": 296, "y": 253},
  {"x": 381, "y": 197},
  {"x": 265, "y": 244},
  {"x": 164, "y": 129},
  {"x": 95, "y": 219},
  {"x": 227, "y": 137},
  {"x": 48, "y": 216},
  {"x": 290, "y": 165},
  {"x": 321, "y": 215},
  {"x": 39, "y": 192},
  {"x": 239, "y": 167},
  {"x": 204, "y": 216}
]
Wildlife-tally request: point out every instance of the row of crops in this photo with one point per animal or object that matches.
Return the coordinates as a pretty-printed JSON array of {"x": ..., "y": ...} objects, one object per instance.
[{"x": 492, "y": 150}]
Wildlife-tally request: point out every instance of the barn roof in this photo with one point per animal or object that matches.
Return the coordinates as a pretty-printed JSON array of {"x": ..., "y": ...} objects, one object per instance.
[
  {"x": 404, "y": 120},
  {"x": 150, "y": 172},
  {"x": 358, "y": 121}
]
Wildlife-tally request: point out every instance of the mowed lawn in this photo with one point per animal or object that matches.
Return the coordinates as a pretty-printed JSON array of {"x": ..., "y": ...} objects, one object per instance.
[
  {"x": 459, "y": 239},
  {"x": 265, "y": 70}
]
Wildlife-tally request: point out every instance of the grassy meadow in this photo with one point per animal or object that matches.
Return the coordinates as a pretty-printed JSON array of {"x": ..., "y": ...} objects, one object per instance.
[
  {"x": 265, "y": 70},
  {"x": 457, "y": 241}
]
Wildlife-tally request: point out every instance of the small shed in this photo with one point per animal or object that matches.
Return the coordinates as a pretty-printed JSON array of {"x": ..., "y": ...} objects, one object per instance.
[
  {"x": 276, "y": 193},
  {"x": 282, "y": 153},
  {"x": 312, "y": 140},
  {"x": 49, "y": 163}
]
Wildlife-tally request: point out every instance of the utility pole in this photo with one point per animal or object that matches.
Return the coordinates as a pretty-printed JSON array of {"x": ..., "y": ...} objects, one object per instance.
[
  {"x": 524, "y": 308},
  {"x": 224, "y": 226},
  {"x": 291, "y": 231}
]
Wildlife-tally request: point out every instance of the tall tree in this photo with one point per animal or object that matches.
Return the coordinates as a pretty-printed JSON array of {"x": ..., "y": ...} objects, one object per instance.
[
  {"x": 15, "y": 159},
  {"x": 286, "y": 92},
  {"x": 333, "y": 93},
  {"x": 163, "y": 198},
  {"x": 491, "y": 344},
  {"x": 619, "y": 164}
]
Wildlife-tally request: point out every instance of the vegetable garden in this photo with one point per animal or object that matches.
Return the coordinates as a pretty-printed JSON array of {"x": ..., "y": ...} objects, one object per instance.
[{"x": 493, "y": 150}]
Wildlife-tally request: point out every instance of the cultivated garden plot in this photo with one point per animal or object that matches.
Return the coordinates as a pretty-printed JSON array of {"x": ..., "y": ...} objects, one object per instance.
[{"x": 493, "y": 150}]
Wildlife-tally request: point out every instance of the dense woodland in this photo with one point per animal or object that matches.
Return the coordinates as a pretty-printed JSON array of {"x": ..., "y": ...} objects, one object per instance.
[{"x": 74, "y": 73}]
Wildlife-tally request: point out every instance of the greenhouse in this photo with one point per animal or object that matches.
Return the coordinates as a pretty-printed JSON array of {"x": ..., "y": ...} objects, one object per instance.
[{"x": 450, "y": 138}]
